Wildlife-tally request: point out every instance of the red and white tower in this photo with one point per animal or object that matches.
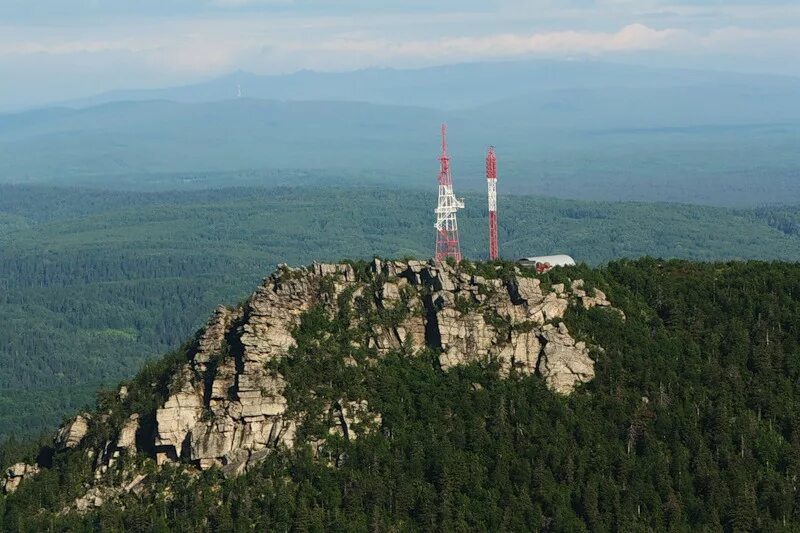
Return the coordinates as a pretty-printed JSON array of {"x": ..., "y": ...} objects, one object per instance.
[
  {"x": 446, "y": 224},
  {"x": 491, "y": 179}
]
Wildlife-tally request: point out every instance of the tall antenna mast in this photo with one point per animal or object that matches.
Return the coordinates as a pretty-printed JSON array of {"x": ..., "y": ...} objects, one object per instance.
[
  {"x": 491, "y": 180},
  {"x": 446, "y": 224}
]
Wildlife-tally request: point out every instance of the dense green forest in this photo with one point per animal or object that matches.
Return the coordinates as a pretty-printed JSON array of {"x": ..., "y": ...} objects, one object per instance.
[
  {"x": 93, "y": 283},
  {"x": 691, "y": 424}
]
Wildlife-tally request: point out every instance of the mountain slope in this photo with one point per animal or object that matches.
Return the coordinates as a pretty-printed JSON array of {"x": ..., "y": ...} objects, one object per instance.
[{"x": 689, "y": 422}]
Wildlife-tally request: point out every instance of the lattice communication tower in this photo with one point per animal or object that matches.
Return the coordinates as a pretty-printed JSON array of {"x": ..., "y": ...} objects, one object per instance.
[{"x": 447, "y": 245}]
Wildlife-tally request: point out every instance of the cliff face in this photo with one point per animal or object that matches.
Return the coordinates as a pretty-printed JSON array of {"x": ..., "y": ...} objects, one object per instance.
[{"x": 226, "y": 406}]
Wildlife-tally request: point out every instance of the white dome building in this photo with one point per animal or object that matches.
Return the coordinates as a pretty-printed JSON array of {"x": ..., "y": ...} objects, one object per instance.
[{"x": 546, "y": 262}]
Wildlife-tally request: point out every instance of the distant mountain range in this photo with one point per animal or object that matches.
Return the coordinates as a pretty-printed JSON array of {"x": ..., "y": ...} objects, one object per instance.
[
  {"x": 445, "y": 87},
  {"x": 570, "y": 129}
]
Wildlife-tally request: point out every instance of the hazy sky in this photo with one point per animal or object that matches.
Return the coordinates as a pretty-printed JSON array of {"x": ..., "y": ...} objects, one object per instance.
[{"x": 59, "y": 49}]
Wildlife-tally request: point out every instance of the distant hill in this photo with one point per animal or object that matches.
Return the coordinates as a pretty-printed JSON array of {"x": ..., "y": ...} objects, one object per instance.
[
  {"x": 580, "y": 130},
  {"x": 445, "y": 87},
  {"x": 164, "y": 136},
  {"x": 733, "y": 147}
]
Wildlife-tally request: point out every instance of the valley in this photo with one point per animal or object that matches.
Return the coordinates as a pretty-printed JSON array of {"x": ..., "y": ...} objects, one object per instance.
[{"x": 108, "y": 280}]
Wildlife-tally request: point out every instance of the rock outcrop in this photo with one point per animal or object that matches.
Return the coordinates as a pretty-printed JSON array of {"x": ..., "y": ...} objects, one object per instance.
[
  {"x": 351, "y": 414},
  {"x": 72, "y": 433},
  {"x": 126, "y": 441},
  {"x": 16, "y": 473},
  {"x": 226, "y": 404},
  {"x": 563, "y": 362},
  {"x": 98, "y": 495},
  {"x": 226, "y": 408}
]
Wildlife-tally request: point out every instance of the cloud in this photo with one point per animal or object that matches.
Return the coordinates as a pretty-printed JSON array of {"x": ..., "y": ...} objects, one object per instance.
[
  {"x": 216, "y": 46},
  {"x": 33, "y": 48},
  {"x": 631, "y": 37},
  {"x": 243, "y": 3},
  {"x": 212, "y": 46},
  {"x": 189, "y": 40}
]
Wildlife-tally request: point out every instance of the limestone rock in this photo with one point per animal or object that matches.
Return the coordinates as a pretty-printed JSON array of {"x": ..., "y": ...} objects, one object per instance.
[
  {"x": 598, "y": 300},
  {"x": 529, "y": 289},
  {"x": 564, "y": 363},
  {"x": 521, "y": 353},
  {"x": 16, "y": 473},
  {"x": 390, "y": 293},
  {"x": 72, "y": 433},
  {"x": 412, "y": 331},
  {"x": 126, "y": 441},
  {"x": 342, "y": 270},
  {"x": 212, "y": 341},
  {"x": 554, "y": 307},
  {"x": 354, "y": 417},
  {"x": 223, "y": 412},
  {"x": 135, "y": 485},
  {"x": 98, "y": 495},
  {"x": 178, "y": 416},
  {"x": 94, "y": 498},
  {"x": 463, "y": 338}
]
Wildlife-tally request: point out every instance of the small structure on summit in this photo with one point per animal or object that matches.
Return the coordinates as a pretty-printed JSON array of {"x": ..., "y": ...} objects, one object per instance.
[{"x": 547, "y": 262}]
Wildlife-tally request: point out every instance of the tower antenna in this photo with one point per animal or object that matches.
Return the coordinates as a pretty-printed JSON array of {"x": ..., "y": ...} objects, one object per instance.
[
  {"x": 491, "y": 180},
  {"x": 447, "y": 244}
]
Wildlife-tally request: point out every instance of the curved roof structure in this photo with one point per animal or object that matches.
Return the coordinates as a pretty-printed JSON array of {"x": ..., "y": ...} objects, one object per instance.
[{"x": 552, "y": 260}]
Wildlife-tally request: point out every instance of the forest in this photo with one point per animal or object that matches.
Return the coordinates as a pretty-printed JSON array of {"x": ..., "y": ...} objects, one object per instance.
[
  {"x": 94, "y": 283},
  {"x": 690, "y": 424}
]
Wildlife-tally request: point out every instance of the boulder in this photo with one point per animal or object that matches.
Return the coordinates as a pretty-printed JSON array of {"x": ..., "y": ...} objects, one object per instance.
[
  {"x": 179, "y": 414},
  {"x": 529, "y": 289},
  {"x": 564, "y": 363},
  {"x": 72, "y": 433},
  {"x": 16, "y": 474},
  {"x": 554, "y": 307},
  {"x": 598, "y": 300},
  {"x": 390, "y": 292},
  {"x": 126, "y": 441}
]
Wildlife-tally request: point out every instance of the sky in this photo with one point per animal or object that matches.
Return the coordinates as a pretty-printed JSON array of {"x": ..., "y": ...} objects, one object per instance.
[{"x": 53, "y": 50}]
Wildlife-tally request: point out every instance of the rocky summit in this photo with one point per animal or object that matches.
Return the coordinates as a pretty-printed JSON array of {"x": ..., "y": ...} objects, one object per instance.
[
  {"x": 225, "y": 404},
  {"x": 422, "y": 396}
]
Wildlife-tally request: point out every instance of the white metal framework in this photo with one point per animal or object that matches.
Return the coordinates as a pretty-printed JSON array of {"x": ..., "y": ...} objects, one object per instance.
[
  {"x": 447, "y": 244},
  {"x": 492, "y": 195},
  {"x": 491, "y": 180}
]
